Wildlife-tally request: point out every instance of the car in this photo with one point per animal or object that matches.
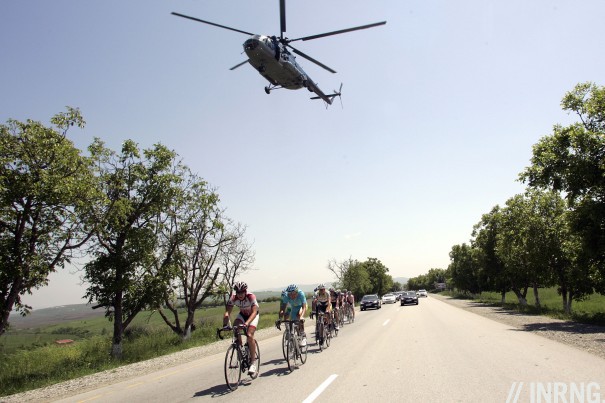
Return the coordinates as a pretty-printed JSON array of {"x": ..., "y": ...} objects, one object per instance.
[
  {"x": 370, "y": 301},
  {"x": 389, "y": 298},
  {"x": 422, "y": 293},
  {"x": 408, "y": 297}
]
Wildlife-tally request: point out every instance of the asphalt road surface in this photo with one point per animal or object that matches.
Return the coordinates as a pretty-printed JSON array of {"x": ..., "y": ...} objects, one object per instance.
[{"x": 432, "y": 352}]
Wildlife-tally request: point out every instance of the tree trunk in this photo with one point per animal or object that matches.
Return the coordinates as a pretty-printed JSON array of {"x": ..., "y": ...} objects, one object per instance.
[
  {"x": 8, "y": 305},
  {"x": 503, "y": 297},
  {"x": 564, "y": 297},
  {"x": 537, "y": 297},
  {"x": 116, "y": 347},
  {"x": 520, "y": 296},
  {"x": 568, "y": 303}
]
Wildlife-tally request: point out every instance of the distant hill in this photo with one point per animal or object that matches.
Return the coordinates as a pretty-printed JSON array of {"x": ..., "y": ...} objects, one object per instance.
[
  {"x": 401, "y": 280},
  {"x": 310, "y": 287},
  {"x": 57, "y": 314},
  {"x": 305, "y": 287}
]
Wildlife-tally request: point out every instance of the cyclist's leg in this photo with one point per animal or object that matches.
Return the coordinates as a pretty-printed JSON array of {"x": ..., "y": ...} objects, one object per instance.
[{"x": 250, "y": 334}]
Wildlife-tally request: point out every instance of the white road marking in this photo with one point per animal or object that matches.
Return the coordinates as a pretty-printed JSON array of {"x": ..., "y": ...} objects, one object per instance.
[
  {"x": 320, "y": 389},
  {"x": 386, "y": 321}
]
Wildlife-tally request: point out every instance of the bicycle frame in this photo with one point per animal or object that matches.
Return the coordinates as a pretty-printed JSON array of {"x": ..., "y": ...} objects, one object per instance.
[
  {"x": 237, "y": 359},
  {"x": 294, "y": 352},
  {"x": 322, "y": 334}
]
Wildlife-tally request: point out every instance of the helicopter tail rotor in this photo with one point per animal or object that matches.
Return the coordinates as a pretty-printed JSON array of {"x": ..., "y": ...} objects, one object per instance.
[{"x": 332, "y": 96}]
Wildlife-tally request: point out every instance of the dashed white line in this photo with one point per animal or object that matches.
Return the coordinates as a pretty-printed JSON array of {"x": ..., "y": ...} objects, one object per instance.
[
  {"x": 386, "y": 321},
  {"x": 320, "y": 389}
]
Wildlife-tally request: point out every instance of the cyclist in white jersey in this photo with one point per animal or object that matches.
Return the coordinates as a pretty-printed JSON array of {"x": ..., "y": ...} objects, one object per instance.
[{"x": 248, "y": 315}]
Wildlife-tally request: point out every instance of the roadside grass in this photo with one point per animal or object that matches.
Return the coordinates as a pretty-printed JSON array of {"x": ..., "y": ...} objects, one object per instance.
[
  {"x": 591, "y": 310},
  {"x": 33, "y": 366}
]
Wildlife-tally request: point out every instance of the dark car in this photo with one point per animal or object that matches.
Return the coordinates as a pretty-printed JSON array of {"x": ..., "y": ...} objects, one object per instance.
[
  {"x": 408, "y": 298},
  {"x": 370, "y": 301}
]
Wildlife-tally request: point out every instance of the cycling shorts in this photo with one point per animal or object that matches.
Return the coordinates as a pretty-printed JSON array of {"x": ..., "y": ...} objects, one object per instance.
[{"x": 254, "y": 323}]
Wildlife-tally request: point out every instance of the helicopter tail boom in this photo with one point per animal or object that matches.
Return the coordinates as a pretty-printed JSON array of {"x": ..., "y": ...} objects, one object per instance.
[{"x": 328, "y": 98}]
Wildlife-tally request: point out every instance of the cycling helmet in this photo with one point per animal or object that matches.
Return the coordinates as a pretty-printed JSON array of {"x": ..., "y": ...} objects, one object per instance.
[
  {"x": 321, "y": 287},
  {"x": 240, "y": 286},
  {"x": 291, "y": 287},
  {"x": 284, "y": 293},
  {"x": 344, "y": 291}
]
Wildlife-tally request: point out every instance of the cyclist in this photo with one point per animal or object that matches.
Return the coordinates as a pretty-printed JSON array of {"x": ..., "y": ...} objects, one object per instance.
[
  {"x": 298, "y": 302},
  {"x": 284, "y": 304},
  {"x": 351, "y": 301},
  {"x": 313, "y": 302},
  {"x": 334, "y": 302},
  {"x": 322, "y": 300},
  {"x": 248, "y": 315}
]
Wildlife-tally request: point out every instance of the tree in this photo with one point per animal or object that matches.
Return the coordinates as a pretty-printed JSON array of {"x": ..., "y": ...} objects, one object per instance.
[
  {"x": 138, "y": 189},
  {"x": 340, "y": 270},
  {"x": 571, "y": 161},
  {"x": 356, "y": 279},
  {"x": 464, "y": 268},
  {"x": 46, "y": 188},
  {"x": 493, "y": 271},
  {"x": 211, "y": 253},
  {"x": 530, "y": 241},
  {"x": 380, "y": 281}
]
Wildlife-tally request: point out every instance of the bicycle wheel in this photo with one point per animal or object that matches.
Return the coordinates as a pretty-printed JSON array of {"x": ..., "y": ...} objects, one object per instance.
[
  {"x": 233, "y": 372},
  {"x": 284, "y": 344},
  {"x": 255, "y": 375},
  {"x": 328, "y": 337},
  {"x": 291, "y": 353},
  {"x": 302, "y": 352}
]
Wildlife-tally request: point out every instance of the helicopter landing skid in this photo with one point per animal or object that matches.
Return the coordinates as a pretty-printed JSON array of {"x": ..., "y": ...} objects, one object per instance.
[{"x": 270, "y": 88}]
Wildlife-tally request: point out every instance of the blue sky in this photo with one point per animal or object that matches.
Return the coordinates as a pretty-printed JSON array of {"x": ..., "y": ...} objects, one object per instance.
[{"x": 441, "y": 108}]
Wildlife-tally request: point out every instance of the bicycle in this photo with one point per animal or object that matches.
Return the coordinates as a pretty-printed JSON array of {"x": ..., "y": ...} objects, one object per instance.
[
  {"x": 237, "y": 359},
  {"x": 349, "y": 314},
  {"x": 332, "y": 326},
  {"x": 344, "y": 314},
  {"x": 322, "y": 335},
  {"x": 294, "y": 351}
]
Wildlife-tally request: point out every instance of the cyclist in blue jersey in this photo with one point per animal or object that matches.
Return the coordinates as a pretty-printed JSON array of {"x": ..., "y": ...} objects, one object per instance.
[{"x": 298, "y": 302}]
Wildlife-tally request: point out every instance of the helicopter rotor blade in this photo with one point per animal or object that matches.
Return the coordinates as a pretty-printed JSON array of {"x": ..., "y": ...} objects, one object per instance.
[
  {"x": 282, "y": 18},
  {"x": 320, "y": 64},
  {"x": 212, "y": 23},
  {"x": 239, "y": 65},
  {"x": 341, "y": 31}
]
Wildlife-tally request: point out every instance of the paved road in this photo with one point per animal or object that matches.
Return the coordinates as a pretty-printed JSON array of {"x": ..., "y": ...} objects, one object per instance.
[{"x": 430, "y": 352}]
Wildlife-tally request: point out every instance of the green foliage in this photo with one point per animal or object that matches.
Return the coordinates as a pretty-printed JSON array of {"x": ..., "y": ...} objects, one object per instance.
[
  {"x": 138, "y": 187},
  {"x": 46, "y": 190},
  {"x": 571, "y": 161}
]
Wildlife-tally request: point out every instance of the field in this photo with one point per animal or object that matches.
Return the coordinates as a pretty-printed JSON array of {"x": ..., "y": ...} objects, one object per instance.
[
  {"x": 590, "y": 310},
  {"x": 30, "y": 357}
]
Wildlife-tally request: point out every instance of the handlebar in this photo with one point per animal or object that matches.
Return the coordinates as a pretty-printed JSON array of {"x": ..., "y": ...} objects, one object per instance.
[{"x": 220, "y": 330}]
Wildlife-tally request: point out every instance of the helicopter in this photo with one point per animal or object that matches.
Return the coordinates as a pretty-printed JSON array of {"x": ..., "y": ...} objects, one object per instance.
[{"x": 270, "y": 56}]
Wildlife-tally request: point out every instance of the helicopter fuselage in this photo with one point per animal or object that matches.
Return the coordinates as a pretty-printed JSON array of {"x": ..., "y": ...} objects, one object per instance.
[{"x": 273, "y": 61}]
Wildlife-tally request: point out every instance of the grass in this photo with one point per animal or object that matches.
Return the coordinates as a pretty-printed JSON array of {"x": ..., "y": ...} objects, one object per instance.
[
  {"x": 30, "y": 359},
  {"x": 591, "y": 310}
]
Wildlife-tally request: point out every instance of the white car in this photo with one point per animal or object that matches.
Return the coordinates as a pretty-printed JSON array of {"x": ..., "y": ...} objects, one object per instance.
[
  {"x": 389, "y": 298},
  {"x": 422, "y": 293}
]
